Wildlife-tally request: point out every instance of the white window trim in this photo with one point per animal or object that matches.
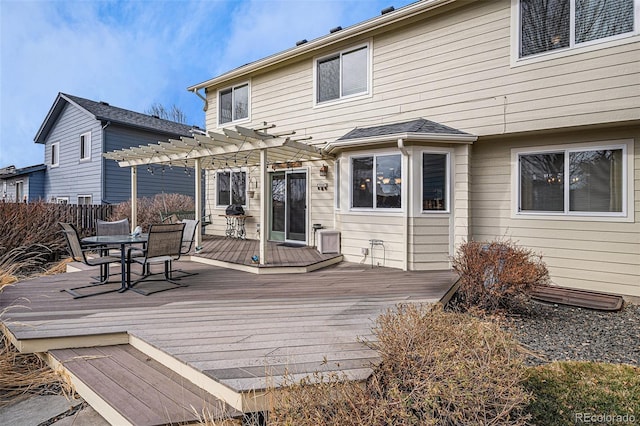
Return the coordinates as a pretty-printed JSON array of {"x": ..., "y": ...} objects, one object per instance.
[
  {"x": 573, "y": 49},
  {"x": 233, "y": 86},
  {"x": 377, "y": 210},
  {"x": 55, "y": 162},
  {"x": 86, "y": 196},
  {"x": 627, "y": 214},
  {"x": 87, "y": 136},
  {"x": 341, "y": 99},
  {"x": 62, "y": 200},
  {"x": 447, "y": 183},
  {"x": 246, "y": 186}
]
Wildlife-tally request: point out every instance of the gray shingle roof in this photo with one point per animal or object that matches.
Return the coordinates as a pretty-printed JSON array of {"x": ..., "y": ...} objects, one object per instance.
[
  {"x": 104, "y": 111},
  {"x": 417, "y": 126}
]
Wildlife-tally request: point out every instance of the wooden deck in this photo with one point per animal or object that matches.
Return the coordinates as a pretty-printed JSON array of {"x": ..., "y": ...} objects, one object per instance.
[
  {"x": 231, "y": 333},
  {"x": 280, "y": 258}
]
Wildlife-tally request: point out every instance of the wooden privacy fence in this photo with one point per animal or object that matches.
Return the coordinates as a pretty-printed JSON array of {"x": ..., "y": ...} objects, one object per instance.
[{"x": 83, "y": 216}]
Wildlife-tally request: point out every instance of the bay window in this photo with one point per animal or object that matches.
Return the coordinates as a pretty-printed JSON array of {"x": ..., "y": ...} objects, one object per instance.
[
  {"x": 376, "y": 182},
  {"x": 435, "y": 182},
  {"x": 557, "y": 24},
  {"x": 573, "y": 181}
]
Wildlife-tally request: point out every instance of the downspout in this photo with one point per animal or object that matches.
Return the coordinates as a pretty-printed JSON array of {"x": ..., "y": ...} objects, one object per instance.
[
  {"x": 103, "y": 172},
  {"x": 406, "y": 195},
  {"x": 204, "y": 99}
]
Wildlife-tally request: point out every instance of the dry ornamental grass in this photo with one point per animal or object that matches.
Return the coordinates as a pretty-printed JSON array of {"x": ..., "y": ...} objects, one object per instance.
[{"x": 436, "y": 368}]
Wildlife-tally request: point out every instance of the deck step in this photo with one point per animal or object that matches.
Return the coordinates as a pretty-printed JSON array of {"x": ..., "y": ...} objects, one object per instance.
[
  {"x": 127, "y": 387},
  {"x": 580, "y": 298}
]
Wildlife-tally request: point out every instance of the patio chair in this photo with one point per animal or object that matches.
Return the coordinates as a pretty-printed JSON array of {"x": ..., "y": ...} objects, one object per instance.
[
  {"x": 79, "y": 254},
  {"x": 118, "y": 227},
  {"x": 188, "y": 238},
  {"x": 163, "y": 246}
]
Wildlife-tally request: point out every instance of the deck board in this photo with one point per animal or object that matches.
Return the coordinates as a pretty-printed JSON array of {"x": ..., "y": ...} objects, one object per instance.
[
  {"x": 143, "y": 391},
  {"x": 232, "y": 321}
]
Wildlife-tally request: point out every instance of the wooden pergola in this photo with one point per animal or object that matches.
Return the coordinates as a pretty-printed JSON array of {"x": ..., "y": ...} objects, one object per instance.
[{"x": 214, "y": 151}]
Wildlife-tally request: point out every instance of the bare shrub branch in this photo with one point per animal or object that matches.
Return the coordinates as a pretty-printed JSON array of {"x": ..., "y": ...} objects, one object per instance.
[
  {"x": 436, "y": 368},
  {"x": 497, "y": 275}
]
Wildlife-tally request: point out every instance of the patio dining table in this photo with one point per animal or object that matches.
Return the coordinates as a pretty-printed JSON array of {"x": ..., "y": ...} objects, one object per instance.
[{"x": 123, "y": 241}]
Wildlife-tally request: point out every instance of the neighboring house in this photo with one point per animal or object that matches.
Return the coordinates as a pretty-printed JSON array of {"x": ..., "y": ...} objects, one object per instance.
[
  {"x": 77, "y": 131},
  {"x": 446, "y": 121},
  {"x": 22, "y": 185}
]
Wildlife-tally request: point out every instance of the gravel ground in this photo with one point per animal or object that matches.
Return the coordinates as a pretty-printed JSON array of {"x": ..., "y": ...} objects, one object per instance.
[{"x": 561, "y": 333}]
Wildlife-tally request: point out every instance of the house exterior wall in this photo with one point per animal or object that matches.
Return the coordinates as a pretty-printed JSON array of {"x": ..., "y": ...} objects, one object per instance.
[
  {"x": 601, "y": 254},
  {"x": 456, "y": 66},
  {"x": 32, "y": 187},
  {"x": 117, "y": 180},
  {"x": 73, "y": 177},
  {"x": 36, "y": 186}
]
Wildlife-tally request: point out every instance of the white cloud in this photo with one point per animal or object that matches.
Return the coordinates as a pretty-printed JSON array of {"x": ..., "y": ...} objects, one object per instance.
[{"x": 132, "y": 54}]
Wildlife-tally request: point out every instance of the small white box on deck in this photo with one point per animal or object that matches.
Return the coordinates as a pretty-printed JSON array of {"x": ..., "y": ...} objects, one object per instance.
[{"x": 328, "y": 241}]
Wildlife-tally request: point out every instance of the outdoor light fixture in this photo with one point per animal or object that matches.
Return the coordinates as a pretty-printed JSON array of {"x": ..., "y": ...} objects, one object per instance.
[{"x": 324, "y": 170}]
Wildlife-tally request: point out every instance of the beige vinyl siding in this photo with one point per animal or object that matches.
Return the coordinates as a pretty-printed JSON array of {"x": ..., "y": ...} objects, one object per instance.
[
  {"x": 455, "y": 69},
  {"x": 430, "y": 242},
  {"x": 602, "y": 255},
  {"x": 356, "y": 231}
]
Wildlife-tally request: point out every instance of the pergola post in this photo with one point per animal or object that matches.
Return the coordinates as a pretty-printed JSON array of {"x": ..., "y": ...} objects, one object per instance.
[
  {"x": 134, "y": 197},
  {"x": 264, "y": 204},
  {"x": 198, "y": 201}
]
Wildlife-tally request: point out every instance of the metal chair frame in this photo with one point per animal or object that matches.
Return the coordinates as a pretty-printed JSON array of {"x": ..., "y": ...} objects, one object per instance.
[
  {"x": 188, "y": 238},
  {"x": 163, "y": 246},
  {"x": 79, "y": 252}
]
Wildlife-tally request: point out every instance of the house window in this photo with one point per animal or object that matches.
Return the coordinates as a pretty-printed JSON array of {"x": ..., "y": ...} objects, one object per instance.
[
  {"x": 85, "y": 146},
  {"x": 62, "y": 200},
  {"x": 435, "y": 179},
  {"x": 376, "y": 182},
  {"x": 557, "y": 24},
  {"x": 342, "y": 75},
  {"x": 84, "y": 200},
  {"x": 231, "y": 188},
  {"x": 20, "y": 191},
  {"x": 573, "y": 181},
  {"x": 55, "y": 154},
  {"x": 233, "y": 104}
]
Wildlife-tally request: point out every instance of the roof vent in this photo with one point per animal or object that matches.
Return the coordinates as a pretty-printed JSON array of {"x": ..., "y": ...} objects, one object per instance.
[
  {"x": 303, "y": 41},
  {"x": 387, "y": 10},
  {"x": 104, "y": 103},
  {"x": 335, "y": 30}
]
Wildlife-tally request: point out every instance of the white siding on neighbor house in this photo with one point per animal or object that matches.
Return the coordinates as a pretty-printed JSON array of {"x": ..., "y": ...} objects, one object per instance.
[
  {"x": 73, "y": 177},
  {"x": 601, "y": 254}
]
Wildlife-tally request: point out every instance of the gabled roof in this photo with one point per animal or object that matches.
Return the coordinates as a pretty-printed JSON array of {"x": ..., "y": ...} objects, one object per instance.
[
  {"x": 104, "y": 112},
  {"x": 11, "y": 172},
  {"x": 409, "y": 131},
  {"x": 380, "y": 22}
]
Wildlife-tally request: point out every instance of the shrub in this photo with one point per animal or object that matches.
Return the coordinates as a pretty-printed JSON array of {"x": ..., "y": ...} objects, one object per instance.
[
  {"x": 496, "y": 275},
  {"x": 149, "y": 209},
  {"x": 435, "y": 367},
  {"x": 29, "y": 237}
]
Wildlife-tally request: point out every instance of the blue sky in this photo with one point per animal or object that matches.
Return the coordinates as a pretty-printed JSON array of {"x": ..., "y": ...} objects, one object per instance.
[{"x": 136, "y": 53}]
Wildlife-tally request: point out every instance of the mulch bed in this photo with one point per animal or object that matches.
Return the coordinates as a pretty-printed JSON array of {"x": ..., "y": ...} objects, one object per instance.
[{"x": 560, "y": 333}]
